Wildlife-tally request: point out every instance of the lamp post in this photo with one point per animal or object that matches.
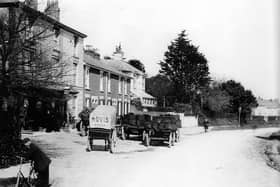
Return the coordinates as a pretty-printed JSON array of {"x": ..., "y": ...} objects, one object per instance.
[
  {"x": 239, "y": 115},
  {"x": 200, "y": 98}
]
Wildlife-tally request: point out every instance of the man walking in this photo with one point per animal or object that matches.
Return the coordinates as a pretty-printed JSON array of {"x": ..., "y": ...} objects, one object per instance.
[{"x": 41, "y": 162}]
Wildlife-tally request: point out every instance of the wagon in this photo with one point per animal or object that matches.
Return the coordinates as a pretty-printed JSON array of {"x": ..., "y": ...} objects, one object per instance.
[
  {"x": 163, "y": 128},
  {"x": 102, "y": 126},
  {"x": 135, "y": 124}
]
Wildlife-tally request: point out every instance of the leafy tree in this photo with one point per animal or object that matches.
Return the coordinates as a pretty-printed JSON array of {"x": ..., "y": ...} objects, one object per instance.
[
  {"x": 162, "y": 88},
  {"x": 239, "y": 97},
  {"x": 186, "y": 67},
  {"x": 217, "y": 100},
  {"x": 137, "y": 64}
]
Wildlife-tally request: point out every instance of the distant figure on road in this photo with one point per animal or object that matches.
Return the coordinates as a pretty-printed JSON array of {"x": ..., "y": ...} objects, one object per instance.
[
  {"x": 205, "y": 124},
  {"x": 41, "y": 162}
]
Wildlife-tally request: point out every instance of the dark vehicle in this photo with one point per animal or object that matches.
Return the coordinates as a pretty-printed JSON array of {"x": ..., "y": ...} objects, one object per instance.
[{"x": 163, "y": 128}]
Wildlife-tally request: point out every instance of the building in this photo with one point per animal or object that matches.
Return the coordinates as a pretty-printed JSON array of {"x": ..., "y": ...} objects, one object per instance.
[
  {"x": 267, "y": 109},
  {"x": 61, "y": 44},
  {"x": 137, "y": 86},
  {"x": 105, "y": 85}
]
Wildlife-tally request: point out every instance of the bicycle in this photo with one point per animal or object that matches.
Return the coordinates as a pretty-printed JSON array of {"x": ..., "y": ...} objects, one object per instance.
[{"x": 29, "y": 181}]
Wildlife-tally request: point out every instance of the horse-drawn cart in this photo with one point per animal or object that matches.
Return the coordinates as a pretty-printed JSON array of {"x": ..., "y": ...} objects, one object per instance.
[
  {"x": 163, "y": 128},
  {"x": 102, "y": 126}
]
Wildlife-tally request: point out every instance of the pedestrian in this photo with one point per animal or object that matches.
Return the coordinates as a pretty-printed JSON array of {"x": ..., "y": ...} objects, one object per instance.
[
  {"x": 41, "y": 162},
  {"x": 205, "y": 124},
  {"x": 84, "y": 115}
]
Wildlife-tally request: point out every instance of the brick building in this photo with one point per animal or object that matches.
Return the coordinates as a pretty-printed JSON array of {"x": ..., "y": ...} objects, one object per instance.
[
  {"x": 105, "y": 85},
  {"x": 137, "y": 85}
]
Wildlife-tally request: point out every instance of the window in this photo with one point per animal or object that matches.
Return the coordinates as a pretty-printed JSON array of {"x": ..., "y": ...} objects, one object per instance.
[
  {"x": 74, "y": 73},
  {"x": 76, "y": 48},
  {"x": 125, "y": 87},
  {"x": 143, "y": 84},
  {"x": 134, "y": 83},
  {"x": 87, "y": 77},
  {"x": 56, "y": 34},
  {"x": 120, "y": 85},
  {"x": 101, "y": 82},
  {"x": 88, "y": 102},
  {"x": 109, "y": 82}
]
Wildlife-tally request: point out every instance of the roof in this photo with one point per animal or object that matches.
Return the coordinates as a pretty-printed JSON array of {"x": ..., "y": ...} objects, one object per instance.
[
  {"x": 268, "y": 103},
  {"x": 100, "y": 64},
  {"x": 123, "y": 66},
  {"x": 16, "y": 3},
  {"x": 142, "y": 94}
]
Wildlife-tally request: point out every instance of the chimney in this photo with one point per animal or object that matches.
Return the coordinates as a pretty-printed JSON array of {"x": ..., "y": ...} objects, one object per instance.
[
  {"x": 52, "y": 9},
  {"x": 90, "y": 50},
  {"x": 32, "y": 4}
]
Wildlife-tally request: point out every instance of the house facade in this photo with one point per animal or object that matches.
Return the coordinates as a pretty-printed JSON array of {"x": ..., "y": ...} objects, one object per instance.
[
  {"x": 67, "y": 47},
  {"x": 105, "y": 85},
  {"x": 137, "y": 85},
  {"x": 267, "y": 109},
  {"x": 61, "y": 45}
]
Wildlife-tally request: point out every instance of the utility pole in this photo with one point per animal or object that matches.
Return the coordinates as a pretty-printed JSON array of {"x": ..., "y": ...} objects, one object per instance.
[{"x": 239, "y": 115}]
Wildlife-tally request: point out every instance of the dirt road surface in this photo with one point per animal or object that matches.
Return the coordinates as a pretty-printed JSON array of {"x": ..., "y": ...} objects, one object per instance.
[{"x": 215, "y": 159}]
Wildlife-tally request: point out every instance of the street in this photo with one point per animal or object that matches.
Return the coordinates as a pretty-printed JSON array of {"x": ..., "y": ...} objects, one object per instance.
[{"x": 218, "y": 159}]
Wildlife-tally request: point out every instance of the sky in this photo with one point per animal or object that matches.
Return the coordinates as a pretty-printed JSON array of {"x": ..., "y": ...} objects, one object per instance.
[{"x": 238, "y": 37}]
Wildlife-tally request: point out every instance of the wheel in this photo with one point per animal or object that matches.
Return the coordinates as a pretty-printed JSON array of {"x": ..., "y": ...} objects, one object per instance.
[
  {"x": 89, "y": 145},
  {"x": 170, "y": 140},
  {"x": 146, "y": 139},
  {"x": 122, "y": 133},
  {"x": 173, "y": 138},
  {"x": 143, "y": 136},
  {"x": 177, "y": 135},
  {"x": 113, "y": 141}
]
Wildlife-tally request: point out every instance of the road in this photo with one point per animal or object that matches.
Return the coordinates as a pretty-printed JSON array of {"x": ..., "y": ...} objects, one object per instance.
[
  {"x": 218, "y": 159},
  {"x": 215, "y": 159}
]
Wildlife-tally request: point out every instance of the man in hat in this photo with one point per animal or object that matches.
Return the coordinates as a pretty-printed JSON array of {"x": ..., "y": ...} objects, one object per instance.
[{"x": 41, "y": 162}]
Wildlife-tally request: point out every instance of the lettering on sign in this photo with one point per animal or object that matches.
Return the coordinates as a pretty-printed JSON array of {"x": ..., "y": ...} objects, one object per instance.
[{"x": 100, "y": 121}]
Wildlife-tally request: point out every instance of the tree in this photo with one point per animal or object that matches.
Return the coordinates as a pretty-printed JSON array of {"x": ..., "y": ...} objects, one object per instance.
[
  {"x": 217, "y": 100},
  {"x": 239, "y": 97},
  {"x": 186, "y": 67},
  {"x": 137, "y": 64},
  {"x": 26, "y": 63},
  {"x": 162, "y": 88}
]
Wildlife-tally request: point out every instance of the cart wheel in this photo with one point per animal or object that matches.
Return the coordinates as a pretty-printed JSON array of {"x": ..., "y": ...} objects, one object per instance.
[
  {"x": 123, "y": 134},
  {"x": 170, "y": 140},
  {"x": 173, "y": 138},
  {"x": 143, "y": 136},
  {"x": 146, "y": 139},
  {"x": 177, "y": 135},
  {"x": 113, "y": 142}
]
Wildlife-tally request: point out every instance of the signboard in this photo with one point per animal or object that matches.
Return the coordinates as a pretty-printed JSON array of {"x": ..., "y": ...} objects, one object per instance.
[
  {"x": 103, "y": 117},
  {"x": 100, "y": 121}
]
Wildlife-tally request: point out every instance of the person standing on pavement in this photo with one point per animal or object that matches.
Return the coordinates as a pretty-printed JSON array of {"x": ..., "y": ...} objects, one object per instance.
[
  {"x": 41, "y": 162},
  {"x": 84, "y": 115}
]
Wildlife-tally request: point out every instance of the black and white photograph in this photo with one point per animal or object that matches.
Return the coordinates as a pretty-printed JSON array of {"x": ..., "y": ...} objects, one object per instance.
[{"x": 139, "y": 93}]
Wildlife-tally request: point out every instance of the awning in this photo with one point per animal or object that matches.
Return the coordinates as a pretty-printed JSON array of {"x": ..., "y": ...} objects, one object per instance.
[{"x": 143, "y": 94}]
